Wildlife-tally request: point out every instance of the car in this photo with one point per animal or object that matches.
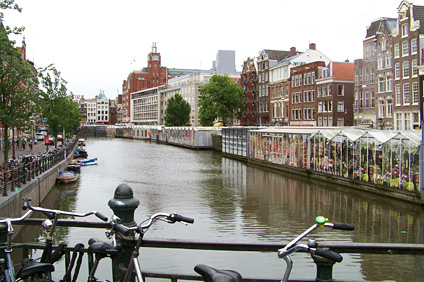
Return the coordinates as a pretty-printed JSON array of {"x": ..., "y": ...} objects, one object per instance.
[
  {"x": 49, "y": 140},
  {"x": 59, "y": 137},
  {"x": 40, "y": 136}
]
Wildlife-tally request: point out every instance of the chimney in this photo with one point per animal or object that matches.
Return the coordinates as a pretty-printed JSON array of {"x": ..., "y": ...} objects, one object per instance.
[
  {"x": 312, "y": 46},
  {"x": 292, "y": 51}
]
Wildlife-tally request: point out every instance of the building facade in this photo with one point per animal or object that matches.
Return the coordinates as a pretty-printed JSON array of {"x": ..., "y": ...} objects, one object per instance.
[
  {"x": 249, "y": 83},
  {"x": 266, "y": 59},
  {"x": 407, "y": 37},
  {"x": 335, "y": 94}
]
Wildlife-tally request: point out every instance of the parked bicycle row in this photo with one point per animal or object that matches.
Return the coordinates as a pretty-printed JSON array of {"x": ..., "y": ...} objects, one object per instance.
[
  {"x": 123, "y": 238},
  {"x": 27, "y": 167}
]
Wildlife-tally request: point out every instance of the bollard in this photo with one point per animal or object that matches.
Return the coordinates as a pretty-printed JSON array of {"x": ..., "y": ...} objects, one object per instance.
[
  {"x": 324, "y": 268},
  {"x": 123, "y": 205}
]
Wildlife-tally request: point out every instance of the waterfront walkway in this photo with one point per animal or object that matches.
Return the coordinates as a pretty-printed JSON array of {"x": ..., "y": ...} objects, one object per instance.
[{"x": 40, "y": 147}]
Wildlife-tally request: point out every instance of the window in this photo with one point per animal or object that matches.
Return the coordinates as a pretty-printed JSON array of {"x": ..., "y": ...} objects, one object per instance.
[
  {"x": 405, "y": 30},
  {"x": 397, "y": 70},
  {"x": 389, "y": 81},
  {"x": 381, "y": 109},
  {"x": 406, "y": 94},
  {"x": 380, "y": 84},
  {"x": 407, "y": 121},
  {"x": 313, "y": 96},
  {"x": 324, "y": 90},
  {"x": 396, "y": 51},
  {"x": 383, "y": 45},
  {"x": 305, "y": 78},
  {"x": 300, "y": 80},
  {"x": 361, "y": 100},
  {"x": 414, "y": 68},
  {"x": 367, "y": 75},
  {"x": 415, "y": 92},
  {"x": 356, "y": 100},
  {"x": 389, "y": 109},
  {"x": 398, "y": 121},
  {"x": 405, "y": 68},
  {"x": 380, "y": 64},
  {"x": 313, "y": 78},
  {"x": 320, "y": 107},
  {"x": 367, "y": 100},
  {"x": 340, "y": 121},
  {"x": 330, "y": 106},
  {"x": 340, "y": 90},
  {"x": 405, "y": 48},
  {"x": 372, "y": 75},
  {"x": 340, "y": 106},
  {"x": 397, "y": 94},
  {"x": 388, "y": 61},
  {"x": 319, "y": 91},
  {"x": 372, "y": 99},
  {"x": 414, "y": 47}
]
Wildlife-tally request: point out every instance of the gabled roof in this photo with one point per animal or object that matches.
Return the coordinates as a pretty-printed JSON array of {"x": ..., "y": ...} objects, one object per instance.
[
  {"x": 418, "y": 13},
  {"x": 277, "y": 55}
]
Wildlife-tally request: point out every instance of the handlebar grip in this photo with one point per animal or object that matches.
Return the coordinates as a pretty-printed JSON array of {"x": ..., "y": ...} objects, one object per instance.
[
  {"x": 25, "y": 205},
  {"x": 326, "y": 253},
  {"x": 101, "y": 216},
  {"x": 343, "y": 226},
  {"x": 121, "y": 229},
  {"x": 178, "y": 217}
]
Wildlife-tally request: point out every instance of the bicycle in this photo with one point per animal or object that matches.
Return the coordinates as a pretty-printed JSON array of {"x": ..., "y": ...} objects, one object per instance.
[
  {"x": 37, "y": 269},
  {"x": 133, "y": 268},
  {"x": 211, "y": 274},
  {"x": 48, "y": 255}
]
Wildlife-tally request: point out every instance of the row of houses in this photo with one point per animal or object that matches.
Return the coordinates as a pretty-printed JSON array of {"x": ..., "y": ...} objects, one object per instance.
[{"x": 381, "y": 90}]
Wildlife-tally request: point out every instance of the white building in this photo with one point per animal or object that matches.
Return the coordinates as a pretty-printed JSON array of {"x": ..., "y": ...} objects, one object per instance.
[{"x": 102, "y": 108}]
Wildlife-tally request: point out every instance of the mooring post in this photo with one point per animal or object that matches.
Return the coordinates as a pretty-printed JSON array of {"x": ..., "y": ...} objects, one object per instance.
[
  {"x": 123, "y": 205},
  {"x": 324, "y": 268}
]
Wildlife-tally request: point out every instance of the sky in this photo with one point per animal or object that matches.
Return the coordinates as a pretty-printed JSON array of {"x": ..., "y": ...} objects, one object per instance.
[{"x": 95, "y": 44}]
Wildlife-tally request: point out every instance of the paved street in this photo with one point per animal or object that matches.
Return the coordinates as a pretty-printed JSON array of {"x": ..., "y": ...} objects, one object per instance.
[{"x": 37, "y": 148}]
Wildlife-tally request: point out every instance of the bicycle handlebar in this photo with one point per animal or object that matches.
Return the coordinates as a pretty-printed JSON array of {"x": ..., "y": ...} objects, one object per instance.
[
  {"x": 26, "y": 205},
  {"x": 167, "y": 217},
  {"x": 9, "y": 221}
]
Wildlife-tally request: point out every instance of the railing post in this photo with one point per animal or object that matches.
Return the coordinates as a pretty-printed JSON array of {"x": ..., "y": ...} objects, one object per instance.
[
  {"x": 123, "y": 205},
  {"x": 324, "y": 268}
]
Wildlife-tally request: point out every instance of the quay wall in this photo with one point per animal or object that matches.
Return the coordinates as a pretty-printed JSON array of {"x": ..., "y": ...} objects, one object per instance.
[{"x": 320, "y": 154}]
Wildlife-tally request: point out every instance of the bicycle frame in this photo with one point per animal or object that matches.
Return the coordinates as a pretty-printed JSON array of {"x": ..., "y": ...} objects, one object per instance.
[{"x": 8, "y": 271}]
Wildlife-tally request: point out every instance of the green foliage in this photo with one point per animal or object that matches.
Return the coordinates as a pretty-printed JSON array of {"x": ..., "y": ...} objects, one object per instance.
[
  {"x": 222, "y": 99},
  {"x": 59, "y": 109},
  {"x": 177, "y": 111},
  {"x": 18, "y": 95}
]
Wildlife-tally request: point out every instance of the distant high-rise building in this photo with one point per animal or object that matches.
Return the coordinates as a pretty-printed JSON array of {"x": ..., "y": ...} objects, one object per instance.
[{"x": 225, "y": 62}]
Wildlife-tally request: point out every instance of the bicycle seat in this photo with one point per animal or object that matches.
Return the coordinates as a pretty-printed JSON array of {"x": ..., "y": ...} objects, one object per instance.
[
  {"x": 98, "y": 246},
  {"x": 211, "y": 274},
  {"x": 31, "y": 267}
]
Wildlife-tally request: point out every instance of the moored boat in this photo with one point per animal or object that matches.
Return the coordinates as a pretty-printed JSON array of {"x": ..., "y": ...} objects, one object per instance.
[
  {"x": 81, "y": 142},
  {"x": 67, "y": 177},
  {"x": 92, "y": 161}
]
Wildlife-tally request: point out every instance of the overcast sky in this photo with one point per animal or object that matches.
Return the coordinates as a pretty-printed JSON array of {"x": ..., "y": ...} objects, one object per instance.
[{"x": 97, "y": 43}]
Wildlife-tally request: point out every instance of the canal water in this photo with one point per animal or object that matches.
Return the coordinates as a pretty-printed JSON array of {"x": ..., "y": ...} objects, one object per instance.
[{"x": 235, "y": 202}]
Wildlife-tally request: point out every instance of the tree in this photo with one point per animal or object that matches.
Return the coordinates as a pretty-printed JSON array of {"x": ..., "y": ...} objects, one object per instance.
[
  {"x": 222, "y": 99},
  {"x": 59, "y": 110},
  {"x": 177, "y": 111},
  {"x": 18, "y": 83}
]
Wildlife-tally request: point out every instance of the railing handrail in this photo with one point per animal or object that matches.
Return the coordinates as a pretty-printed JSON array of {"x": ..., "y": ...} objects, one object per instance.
[{"x": 369, "y": 248}]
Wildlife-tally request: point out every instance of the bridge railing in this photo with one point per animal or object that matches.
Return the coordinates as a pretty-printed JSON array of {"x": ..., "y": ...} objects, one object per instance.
[{"x": 324, "y": 272}]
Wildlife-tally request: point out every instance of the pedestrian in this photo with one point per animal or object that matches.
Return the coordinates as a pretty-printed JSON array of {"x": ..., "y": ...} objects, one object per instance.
[
  {"x": 17, "y": 143},
  {"x": 30, "y": 144},
  {"x": 23, "y": 143}
]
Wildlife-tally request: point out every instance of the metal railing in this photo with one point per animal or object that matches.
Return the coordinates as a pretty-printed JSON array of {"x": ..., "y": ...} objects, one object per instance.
[
  {"x": 323, "y": 270},
  {"x": 25, "y": 168}
]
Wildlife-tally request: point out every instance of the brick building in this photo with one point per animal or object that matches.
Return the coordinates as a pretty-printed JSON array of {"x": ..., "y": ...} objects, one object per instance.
[
  {"x": 335, "y": 94},
  {"x": 249, "y": 83}
]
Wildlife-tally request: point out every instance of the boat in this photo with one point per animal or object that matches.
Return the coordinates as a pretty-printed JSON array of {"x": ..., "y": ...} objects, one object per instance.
[
  {"x": 81, "y": 142},
  {"x": 67, "y": 176},
  {"x": 74, "y": 166},
  {"x": 81, "y": 153},
  {"x": 88, "y": 162}
]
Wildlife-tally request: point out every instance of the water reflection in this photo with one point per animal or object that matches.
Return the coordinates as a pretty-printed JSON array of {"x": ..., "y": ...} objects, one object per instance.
[{"x": 235, "y": 202}]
